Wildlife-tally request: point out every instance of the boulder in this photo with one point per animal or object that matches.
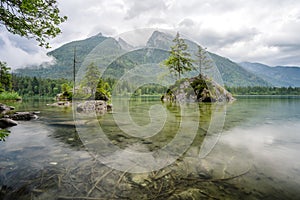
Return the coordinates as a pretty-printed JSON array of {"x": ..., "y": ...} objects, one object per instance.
[
  {"x": 61, "y": 104},
  {"x": 99, "y": 106},
  {"x": 23, "y": 116},
  {"x": 6, "y": 122},
  {"x": 5, "y": 109}
]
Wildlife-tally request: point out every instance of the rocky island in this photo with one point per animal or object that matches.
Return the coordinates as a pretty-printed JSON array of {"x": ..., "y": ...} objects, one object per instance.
[{"x": 197, "y": 89}]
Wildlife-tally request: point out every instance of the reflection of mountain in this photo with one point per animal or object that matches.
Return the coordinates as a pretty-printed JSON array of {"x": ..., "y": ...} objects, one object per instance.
[{"x": 118, "y": 56}]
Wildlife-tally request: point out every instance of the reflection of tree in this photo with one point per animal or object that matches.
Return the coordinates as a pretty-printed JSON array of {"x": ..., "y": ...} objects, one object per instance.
[{"x": 205, "y": 115}]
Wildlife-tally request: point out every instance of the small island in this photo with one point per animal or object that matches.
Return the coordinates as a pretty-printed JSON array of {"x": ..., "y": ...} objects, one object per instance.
[{"x": 195, "y": 89}]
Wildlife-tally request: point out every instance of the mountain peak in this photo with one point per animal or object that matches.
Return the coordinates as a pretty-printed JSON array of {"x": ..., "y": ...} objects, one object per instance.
[
  {"x": 160, "y": 40},
  {"x": 125, "y": 45},
  {"x": 98, "y": 35}
]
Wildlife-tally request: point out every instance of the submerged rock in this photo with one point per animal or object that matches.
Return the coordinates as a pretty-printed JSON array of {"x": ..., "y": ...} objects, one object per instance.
[
  {"x": 5, "y": 109},
  {"x": 23, "y": 116},
  {"x": 99, "y": 106},
  {"x": 61, "y": 104}
]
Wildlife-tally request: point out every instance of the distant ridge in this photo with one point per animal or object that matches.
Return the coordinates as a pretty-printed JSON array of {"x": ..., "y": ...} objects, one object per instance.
[
  {"x": 88, "y": 50},
  {"x": 279, "y": 76}
]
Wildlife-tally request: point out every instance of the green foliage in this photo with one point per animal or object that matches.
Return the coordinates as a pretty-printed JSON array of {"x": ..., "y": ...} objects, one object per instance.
[
  {"x": 92, "y": 86},
  {"x": 66, "y": 90},
  {"x": 5, "y": 77},
  {"x": 3, "y": 134},
  {"x": 179, "y": 60},
  {"x": 279, "y": 76},
  {"x": 37, "y": 19},
  {"x": 6, "y": 84},
  {"x": 64, "y": 60},
  {"x": 264, "y": 90},
  {"x": 198, "y": 85},
  {"x": 32, "y": 86},
  {"x": 125, "y": 88},
  {"x": 136, "y": 58},
  {"x": 102, "y": 90},
  {"x": 150, "y": 89},
  {"x": 9, "y": 96},
  {"x": 234, "y": 75}
]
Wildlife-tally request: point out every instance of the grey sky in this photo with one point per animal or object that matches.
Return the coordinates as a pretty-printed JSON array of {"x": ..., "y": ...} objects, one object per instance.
[{"x": 264, "y": 31}]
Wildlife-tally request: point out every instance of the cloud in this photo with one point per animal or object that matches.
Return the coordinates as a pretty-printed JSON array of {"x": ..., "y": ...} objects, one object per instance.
[
  {"x": 258, "y": 31},
  {"x": 19, "y": 52},
  {"x": 186, "y": 23},
  {"x": 213, "y": 38},
  {"x": 137, "y": 7}
]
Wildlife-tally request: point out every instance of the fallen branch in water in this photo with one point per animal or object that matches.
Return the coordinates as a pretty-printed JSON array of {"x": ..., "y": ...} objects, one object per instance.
[
  {"x": 219, "y": 179},
  {"x": 103, "y": 176},
  {"x": 82, "y": 198}
]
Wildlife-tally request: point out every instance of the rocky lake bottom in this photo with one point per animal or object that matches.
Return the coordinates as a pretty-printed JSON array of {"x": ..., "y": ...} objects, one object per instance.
[{"x": 244, "y": 150}]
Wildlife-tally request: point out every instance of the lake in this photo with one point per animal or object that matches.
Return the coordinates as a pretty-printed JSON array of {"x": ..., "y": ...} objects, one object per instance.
[{"x": 146, "y": 149}]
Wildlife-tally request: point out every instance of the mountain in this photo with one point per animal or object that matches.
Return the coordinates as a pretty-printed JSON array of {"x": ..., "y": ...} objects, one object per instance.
[
  {"x": 64, "y": 56},
  {"x": 160, "y": 40},
  {"x": 115, "y": 57},
  {"x": 231, "y": 73},
  {"x": 279, "y": 76},
  {"x": 125, "y": 45},
  {"x": 234, "y": 75}
]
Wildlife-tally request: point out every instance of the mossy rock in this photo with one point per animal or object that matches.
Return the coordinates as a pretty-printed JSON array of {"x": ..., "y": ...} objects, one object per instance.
[{"x": 197, "y": 89}]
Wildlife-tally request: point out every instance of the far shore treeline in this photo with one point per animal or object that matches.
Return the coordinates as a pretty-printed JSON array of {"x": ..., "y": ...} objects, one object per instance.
[
  {"x": 14, "y": 87},
  {"x": 41, "y": 87}
]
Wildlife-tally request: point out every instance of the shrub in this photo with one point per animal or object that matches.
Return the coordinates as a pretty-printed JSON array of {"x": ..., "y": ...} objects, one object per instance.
[{"x": 9, "y": 96}]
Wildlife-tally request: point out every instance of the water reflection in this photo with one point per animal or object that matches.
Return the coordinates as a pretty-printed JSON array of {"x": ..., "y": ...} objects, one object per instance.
[{"x": 255, "y": 157}]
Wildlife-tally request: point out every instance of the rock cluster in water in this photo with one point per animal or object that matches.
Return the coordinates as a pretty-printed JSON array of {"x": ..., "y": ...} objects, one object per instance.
[
  {"x": 99, "y": 106},
  {"x": 61, "y": 104},
  {"x": 9, "y": 116},
  {"x": 197, "y": 89}
]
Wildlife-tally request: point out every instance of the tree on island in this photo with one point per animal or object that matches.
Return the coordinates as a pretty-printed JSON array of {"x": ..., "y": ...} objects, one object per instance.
[
  {"x": 203, "y": 61},
  {"x": 91, "y": 78},
  {"x": 97, "y": 87},
  {"x": 179, "y": 60},
  {"x": 37, "y": 19},
  {"x": 102, "y": 90}
]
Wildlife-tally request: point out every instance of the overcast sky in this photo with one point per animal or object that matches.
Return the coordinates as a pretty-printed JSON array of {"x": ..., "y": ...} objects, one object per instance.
[{"x": 265, "y": 31}]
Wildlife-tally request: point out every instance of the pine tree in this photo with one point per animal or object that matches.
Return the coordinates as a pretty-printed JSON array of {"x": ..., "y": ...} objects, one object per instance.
[
  {"x": 203, "y": 61},
  {"x": 179, "y": 60},
  {"x": 91, "y": 78}
]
